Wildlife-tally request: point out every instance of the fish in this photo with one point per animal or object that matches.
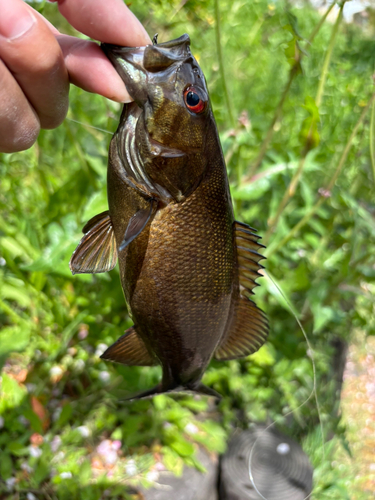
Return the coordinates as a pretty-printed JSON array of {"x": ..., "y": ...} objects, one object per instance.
[{"x": 187, "y": 267}]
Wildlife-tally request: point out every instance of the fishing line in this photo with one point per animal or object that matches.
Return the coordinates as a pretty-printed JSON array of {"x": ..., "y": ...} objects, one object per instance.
[
  {"x": 311, "y": 354},
  {"x": 90, "y": 126}
]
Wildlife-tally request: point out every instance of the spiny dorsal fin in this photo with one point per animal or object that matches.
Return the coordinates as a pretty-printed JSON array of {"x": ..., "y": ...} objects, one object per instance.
[
  {"x": 97, "y": 251},
  {"x": 129, "y": 350},
  {"x": 137, "y": 223},
  {"x": 247, "y": 257},
  {"x": 247, "y": 334}
]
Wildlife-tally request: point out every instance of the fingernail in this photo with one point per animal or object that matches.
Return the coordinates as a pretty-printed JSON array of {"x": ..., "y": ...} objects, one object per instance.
[
  {"x": 127, "y": 101},
  {"x": 15, "y": 20}
]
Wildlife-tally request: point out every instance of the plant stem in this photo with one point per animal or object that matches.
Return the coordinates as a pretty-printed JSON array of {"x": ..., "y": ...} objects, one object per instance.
[
  {"x": 320, "y": 23},
  {"x": 330, "y": 184},
  {"x": 327, "y": 59},
  {"x": 276, "y": 117},
  {"x": 289, "y": 193},
  {"x": 221, "y": 64},
  {"x": 372, "y": 140},
  {"x": 263, "y": 149}
]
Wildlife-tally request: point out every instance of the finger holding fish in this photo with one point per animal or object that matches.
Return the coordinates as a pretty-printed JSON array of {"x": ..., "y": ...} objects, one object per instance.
[
  {"x": 38, "y": 63},
  {"x": 35, "y": 80},
  {"x": 107, "y": 21}
]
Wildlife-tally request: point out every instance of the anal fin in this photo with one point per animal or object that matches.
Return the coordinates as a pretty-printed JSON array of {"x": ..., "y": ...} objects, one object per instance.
[
  {"x": 97, "y": 251},
  {"x": 129, "y": 350},
  {"x": 248, "y": 331}
]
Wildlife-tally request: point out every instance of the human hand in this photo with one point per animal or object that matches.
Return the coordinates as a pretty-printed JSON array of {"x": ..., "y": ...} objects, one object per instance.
[{"x": 37, "y": 63}]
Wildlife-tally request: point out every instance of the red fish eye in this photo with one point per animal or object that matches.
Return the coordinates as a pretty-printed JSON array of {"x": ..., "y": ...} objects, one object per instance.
[{"x": 193, "y": 100}]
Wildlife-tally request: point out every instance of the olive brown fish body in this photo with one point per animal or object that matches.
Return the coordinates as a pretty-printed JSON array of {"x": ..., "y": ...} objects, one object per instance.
[{"x": 187, "y": 267}]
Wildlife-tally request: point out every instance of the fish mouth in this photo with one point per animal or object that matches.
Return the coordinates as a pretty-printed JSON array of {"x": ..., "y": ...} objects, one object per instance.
[{"x": 136, "y": 64}]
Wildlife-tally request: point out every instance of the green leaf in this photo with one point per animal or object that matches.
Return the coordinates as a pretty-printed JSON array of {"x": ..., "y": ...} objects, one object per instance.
[
  {"x": 13, "y": 339},
  {"x": 65, "y": 415},
  {"x": 182, "y": 447},
  {"x": 17, "y": 449},
  {"x": 6, "y": 466},
  {"x": 41, "y": 472},
  {"x": 11, "y": 393}
]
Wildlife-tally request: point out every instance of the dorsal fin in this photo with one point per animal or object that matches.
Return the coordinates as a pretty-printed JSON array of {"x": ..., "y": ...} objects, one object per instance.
[
  {"x": 249, "y": 328},
  {"x": 129, "y": 350},
  {"x": 248, "y": 257},
  {"x": 248, "y": 331},
  {"x": 97, "y": 251}
]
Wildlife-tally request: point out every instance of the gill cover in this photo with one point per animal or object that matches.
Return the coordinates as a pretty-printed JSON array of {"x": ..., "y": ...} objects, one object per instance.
[{"x": 161, "y": 139}]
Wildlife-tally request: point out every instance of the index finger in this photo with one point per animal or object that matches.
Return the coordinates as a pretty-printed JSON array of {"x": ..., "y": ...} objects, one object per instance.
[{"x": 108, "y": 21}]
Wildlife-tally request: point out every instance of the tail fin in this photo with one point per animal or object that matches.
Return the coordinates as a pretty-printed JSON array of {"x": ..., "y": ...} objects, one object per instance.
[
  {"x": 207, "y": 391},
  {"x": 199, "y": 389},
  {"x": 145, "y": 394}
]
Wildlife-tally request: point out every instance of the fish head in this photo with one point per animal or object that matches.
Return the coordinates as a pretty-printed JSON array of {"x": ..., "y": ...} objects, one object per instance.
[{"x": 170, "y": 117}]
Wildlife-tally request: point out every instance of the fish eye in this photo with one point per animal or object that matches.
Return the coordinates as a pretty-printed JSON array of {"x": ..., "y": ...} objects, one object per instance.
[{"x": 193, "y": 100}]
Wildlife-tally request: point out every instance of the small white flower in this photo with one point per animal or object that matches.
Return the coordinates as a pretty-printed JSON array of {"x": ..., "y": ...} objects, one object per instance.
[
  {"x": 26, "y": 467},
  {"x": 131, "y": 468},
  {"x": 56, "y": 414},
  {"x": 56, "y": 371},
  {"x": 190, "y": 428},
  {"x": 55, "y": 443},
  {"x": 2, "y": 261},
  {"x": 83, "y": 332},
  {"x": 59, "y": 456},
  {"x": 104, "y": 376},
  {"x": 104, "y": 447},
  {"x": 1, "y": 422},
  {"x": 10, "y": 483},
  {"x": 100, "y": 349},
  {"x": 110, "y": 457},
  {"x": 35, "y": 451},
  {"x": 30, "y": 389},
  {"x": 23, "y": 420},
  {"x": 79, "y": 365},
  {"x": 152, "y": 476},
  {"x": 116, "y": 444},
  {"x": 107, "y": 451},
  {"x": 84, "y": 431},
  {"x": 66, "y": 475},
  {"x": 31, "y": 496}
]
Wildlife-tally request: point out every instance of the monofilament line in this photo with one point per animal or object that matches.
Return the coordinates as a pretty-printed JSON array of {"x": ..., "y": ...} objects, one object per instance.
[
  {"x": 310, "y": 353},
  {"x": 90, "y": 126}
]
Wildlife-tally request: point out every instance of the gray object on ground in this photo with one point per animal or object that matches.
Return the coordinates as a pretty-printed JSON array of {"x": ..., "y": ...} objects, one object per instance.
[
  {"x": 280, "y": 468},
  {"x": 192, "y": 485}
]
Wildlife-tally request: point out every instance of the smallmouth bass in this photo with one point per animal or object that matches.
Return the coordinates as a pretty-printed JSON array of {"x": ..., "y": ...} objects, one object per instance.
[{"x": 187, "y": 267}]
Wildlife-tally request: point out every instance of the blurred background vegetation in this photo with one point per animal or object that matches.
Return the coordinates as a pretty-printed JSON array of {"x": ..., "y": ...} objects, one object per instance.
[{"x": 292, "y": 93}]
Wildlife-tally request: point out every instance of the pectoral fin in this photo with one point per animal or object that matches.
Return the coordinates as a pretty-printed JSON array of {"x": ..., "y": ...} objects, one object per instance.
[
  {"x": 129, "y": 350},
  {"x": 97, "y": 251},
  {"x": 249, "y": 328},
  {"x": 137, "y": 223}
]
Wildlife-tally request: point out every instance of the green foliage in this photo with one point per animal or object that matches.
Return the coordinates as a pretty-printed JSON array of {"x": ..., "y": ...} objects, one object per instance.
[{"x": 54, "y": 326}]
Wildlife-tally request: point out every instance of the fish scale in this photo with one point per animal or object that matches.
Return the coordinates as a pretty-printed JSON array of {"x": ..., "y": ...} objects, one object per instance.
[{"x": 187, "y": 267}]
